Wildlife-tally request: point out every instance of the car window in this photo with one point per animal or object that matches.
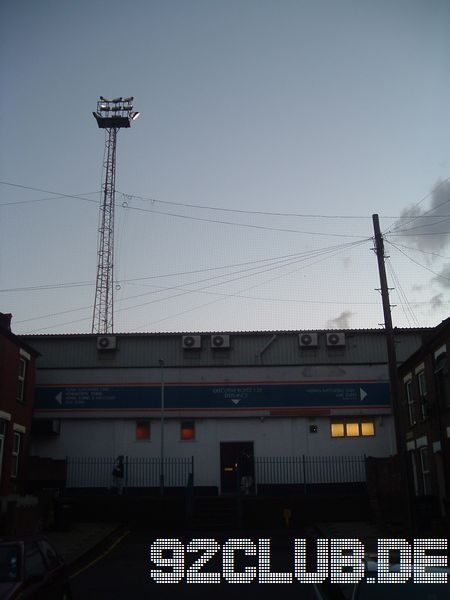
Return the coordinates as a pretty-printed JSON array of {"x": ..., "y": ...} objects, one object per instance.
[
  {"x": 51, "y": 558},
  {"x": 34, "y": 561},
  {"x": 9, "y": 563}
]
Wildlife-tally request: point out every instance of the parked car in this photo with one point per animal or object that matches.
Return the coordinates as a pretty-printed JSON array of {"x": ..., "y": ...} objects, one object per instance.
[
  {"x": 31, "y": 568},
  {"x": 394, "y": 591}
]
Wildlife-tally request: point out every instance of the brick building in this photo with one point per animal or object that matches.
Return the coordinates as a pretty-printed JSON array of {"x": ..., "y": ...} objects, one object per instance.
[
  {"x": 17, "y": 375},
  {"x": 425, "y": 400}
]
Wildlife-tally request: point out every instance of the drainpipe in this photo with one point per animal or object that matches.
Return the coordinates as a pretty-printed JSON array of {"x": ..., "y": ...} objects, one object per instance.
[{"x": 264, "y": 348}]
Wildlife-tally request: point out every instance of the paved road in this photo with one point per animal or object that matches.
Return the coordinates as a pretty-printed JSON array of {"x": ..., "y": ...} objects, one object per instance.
[{"x": 125, "y": 572}]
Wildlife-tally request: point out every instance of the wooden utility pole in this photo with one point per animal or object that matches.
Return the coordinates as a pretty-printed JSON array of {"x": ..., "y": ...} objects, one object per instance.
[{"x": 393, "y": 375}]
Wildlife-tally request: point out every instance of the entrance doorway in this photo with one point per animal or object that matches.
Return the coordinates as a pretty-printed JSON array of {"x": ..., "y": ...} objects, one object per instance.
[{"x": 234, "y": 455}]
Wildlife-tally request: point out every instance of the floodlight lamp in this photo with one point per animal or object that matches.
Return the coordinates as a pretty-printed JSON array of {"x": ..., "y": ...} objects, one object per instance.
[
  {"x": 104, "y": 107},
  {"x": 117, "y": 99},
  {"x": 134, "y": 115},
  {"x": 130, "y": 99}
]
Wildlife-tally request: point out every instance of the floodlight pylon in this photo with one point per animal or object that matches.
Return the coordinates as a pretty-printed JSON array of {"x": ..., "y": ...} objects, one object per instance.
[{"x": 111, "y": 115}]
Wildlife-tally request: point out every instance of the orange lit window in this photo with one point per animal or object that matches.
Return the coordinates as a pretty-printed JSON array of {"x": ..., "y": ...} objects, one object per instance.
[
  {"x": 352, "y": 429},
  {"x": 337, "y": 429},
  {"x": 368, "y": 428},
  {"x": 187, "y": 430},
  {"x": 143, "y": 430}
]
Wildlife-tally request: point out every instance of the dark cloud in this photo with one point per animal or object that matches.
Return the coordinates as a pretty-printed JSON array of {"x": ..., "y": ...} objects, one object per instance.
[
  {"x": 342, "y": 321},
  {"x": 443, "y": 278},
  {"x": 427, "y": 228},
  {"x": 437, "y": 301}
]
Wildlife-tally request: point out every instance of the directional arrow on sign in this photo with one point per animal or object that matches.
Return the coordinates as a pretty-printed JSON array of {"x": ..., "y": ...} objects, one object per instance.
[
  {"x": 235, "y": 400},
  {"x": 58, "y": 398},
  {"x": 362, "y": 394}
]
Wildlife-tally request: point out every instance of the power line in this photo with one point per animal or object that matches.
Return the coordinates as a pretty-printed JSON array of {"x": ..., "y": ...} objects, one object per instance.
[
  {"x": 241, "y": 211},
  {"x": 414, "y": 217},
  {"x": 59, "y": 194},
  {"x": 79, "y": 196},
  {"x": 422, "y": 251},
  {"x": 414, "y": 234},
  {"x": 312, "y": 254},
  {"x": 235, "y": 224},
  {"x": 129, "y": 197},
  {"x": 354, "y": 244},
  {"x": 405, "y": 304},
  {"x": 175, "y": 274},
  {"x": 418, "y": 263},
  {"x": 407, "y": 229}
]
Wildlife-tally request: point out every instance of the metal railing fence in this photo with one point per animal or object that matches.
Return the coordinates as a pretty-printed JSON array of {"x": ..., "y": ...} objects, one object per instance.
[
  {"x": 144, "y": 472},
  {"x": 309, "y": 470},
  {"x": 139, "y": 471}
]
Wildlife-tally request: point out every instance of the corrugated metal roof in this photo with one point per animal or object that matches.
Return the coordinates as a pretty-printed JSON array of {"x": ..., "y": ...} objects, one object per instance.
[
  {"x": 135, "y": 350},
  {"x": 219, "y": 332}
]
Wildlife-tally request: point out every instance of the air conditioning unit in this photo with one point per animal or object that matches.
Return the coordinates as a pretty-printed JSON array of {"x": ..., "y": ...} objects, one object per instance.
[
  {"x": 220, "y": 341},
  {"x": 336, "y": 338},
  {"x": 106, "y": 342},
  {"x": 306, "y": 339},
  {"x": 191, "y": 341},
  {"x": 46, "y": 426}
]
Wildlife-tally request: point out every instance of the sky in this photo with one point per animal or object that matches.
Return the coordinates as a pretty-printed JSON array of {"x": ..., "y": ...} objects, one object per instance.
[{"x": 270, "y": 132}]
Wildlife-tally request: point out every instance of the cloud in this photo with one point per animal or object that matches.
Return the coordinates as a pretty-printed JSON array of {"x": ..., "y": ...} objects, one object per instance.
[
  {"x": 342, "y": 321},
  {"x": 429, "y": 227},
  {"x": 437, "y": 301},
  {"x": 443, "y": 279},
  {"x": 346, "y": 261}
]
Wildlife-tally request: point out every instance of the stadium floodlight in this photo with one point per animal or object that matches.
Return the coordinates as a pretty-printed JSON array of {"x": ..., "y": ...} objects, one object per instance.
[{"x": 111, "y": 115}]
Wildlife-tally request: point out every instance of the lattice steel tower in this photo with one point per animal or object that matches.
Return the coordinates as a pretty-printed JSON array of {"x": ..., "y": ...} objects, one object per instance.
[{"x": 111, "y": 116}]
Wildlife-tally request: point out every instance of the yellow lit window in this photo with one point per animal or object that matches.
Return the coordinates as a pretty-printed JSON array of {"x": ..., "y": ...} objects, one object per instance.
[
  {"x": 187, "y": 430},
  {"x": 337, "y": 429},
  {"x": 352, "y": 429},
  {"x": 368, "y": 428},
  {"x": 143, "y": 430}
]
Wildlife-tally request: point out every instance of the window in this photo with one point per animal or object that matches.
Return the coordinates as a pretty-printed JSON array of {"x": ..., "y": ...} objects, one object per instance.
[
  {"x": 353, "y": 428},
  {"x": 10, "y": 561},
  {"x": 21, "y": 379},
  {"x": 187, "y": 430},
  {"x": 337, "y": 430},
  {"x": 34, "y": 561},
  {"x": 51, "y": 558},
  {"x": 410, "y": 400},
  {"x": 425, "y": 471},
  {"x": 423, "y": 393},
  {"x": 3, "y": 425},
  {"x": 442, "y": 380},
  {"x": 143, "y": 430},
  {"x": 414, "y": 473},
  {"x": 367, "y": 428},
  {"x": 15, "y": 454}
]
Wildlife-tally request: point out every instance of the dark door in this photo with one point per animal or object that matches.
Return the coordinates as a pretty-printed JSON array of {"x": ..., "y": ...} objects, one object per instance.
[{"x": 235, "y": 456}]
